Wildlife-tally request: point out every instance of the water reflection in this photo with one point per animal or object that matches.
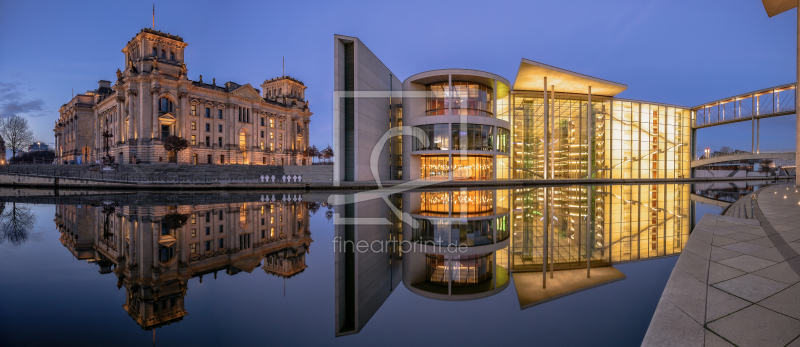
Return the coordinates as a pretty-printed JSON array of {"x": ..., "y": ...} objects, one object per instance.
[
  {"x": 465, "y": 244},
  {"x": 154, "y": 250},
  {"x": 553, "y": 241},
  {"x": 16, "y": 223}
]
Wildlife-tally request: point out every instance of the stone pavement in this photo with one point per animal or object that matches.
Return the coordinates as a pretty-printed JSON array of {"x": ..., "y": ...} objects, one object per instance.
[{"x": 737, "y": 282}]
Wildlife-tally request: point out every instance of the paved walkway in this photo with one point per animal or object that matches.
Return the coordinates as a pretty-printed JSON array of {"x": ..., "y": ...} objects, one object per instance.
[{"x": 738, "y": 280}]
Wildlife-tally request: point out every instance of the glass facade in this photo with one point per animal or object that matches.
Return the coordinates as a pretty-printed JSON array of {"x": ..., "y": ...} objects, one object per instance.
[
  {"x": 472, "y": 168},
  {"x": 625, "y": 222},
  {"x": 630, "y": 140},
  {"x": 458, "y": 270},
  {"x": 465, "y": 98},
  {"x": 473, "y": 137}
]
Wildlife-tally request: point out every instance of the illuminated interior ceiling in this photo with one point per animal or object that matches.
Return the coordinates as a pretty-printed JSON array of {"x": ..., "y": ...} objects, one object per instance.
[
  {"x": 531, "y": 74},
  {"x": 776, "y": 7}
]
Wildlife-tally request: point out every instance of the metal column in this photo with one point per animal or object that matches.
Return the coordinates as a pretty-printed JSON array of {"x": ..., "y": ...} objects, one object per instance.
[
  {"x": 590, "y": 131},
  {"x": 544, "y": 129}
]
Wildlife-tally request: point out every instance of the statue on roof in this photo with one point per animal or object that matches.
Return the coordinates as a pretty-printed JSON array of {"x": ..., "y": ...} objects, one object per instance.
[
  {"x": 133, "y": 67},
  {"x": 201, "y": 79},
  {"x": 184, "y": 70},
  {"x": 155, "y": 63},
  {"x": 119, "y": 75}
]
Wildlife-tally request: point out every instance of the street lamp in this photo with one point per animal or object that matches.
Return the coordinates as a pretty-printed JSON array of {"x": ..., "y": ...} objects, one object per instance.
[{"x": 773, "y": 8}]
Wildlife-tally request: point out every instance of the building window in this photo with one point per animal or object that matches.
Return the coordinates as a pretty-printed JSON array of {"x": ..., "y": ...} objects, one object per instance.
[
  {"x": 219, "y": 141},
  {"x": 165, "y": 105},
  {"x": 280, "y": 124},
  {"x": 262, "y": 134},
  {"x": 271, "y": 123},
  {"x": 262, "y": 145},
  {"x": 194, "y": 232},
  {"x": 280, "y": 146},
  {"x": 280, "y": 136},
  {"x": 163, "y": 54},
  {"x": 220, "y": 229},
  {"x": 193, "y": 111},
  {"x": 272, "y": 148},
  {"x": 194, "y": 248},
  {"x": 220, "y": 215},
  {"x": 240, "y": 114},
  {"x": 208, "y": 246},
  {"x": 208, "y": 126},
  {"x": 171, "y": 55},
  {"x": 208, "y": 144},
  {"x": 219, "y": 127},
  {"x": 194, "y": 218},
  {"x": 155, "y": 52},
  {"x": 264, "y": 160},
  {"x": 208, "y": 112},
  {"x": 194, "y": 140},
  {"x": 219, "y": 114},
  {"x": 262, "y": 121},
  {"x": 208, "y": 231},
  {"x": 208, "y": 217},
  {"x": 221, "y": 243},
  {"x": 271, "y": 135},
  {"x": 273, "y": 159},
  {"x": 209, "y": 157},
  {"x": 194, "y": 126},
  {"x": 222, "y": 159}
]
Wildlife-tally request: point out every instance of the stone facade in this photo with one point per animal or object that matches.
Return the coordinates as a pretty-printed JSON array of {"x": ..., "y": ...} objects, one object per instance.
[
  {"x": 153, "y": 98},
  {"x": 155, "y": 264}
]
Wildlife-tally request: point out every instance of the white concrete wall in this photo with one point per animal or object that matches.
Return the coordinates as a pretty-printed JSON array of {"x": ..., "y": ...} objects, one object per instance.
[{"x": 371, "y": 114}]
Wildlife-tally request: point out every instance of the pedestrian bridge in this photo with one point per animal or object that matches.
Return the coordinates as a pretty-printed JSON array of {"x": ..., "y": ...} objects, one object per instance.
[{"x": 744, "y": 156}]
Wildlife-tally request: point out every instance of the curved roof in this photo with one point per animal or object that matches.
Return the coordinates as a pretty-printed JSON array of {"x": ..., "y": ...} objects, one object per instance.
[{"x": 464, "y": 75}]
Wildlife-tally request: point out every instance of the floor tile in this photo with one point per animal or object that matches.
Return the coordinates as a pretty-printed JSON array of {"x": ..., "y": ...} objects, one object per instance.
[
  {"x": 687, "y": 293},
  {"x": 721, "y": 304},
  {"x": 744, "y": 247},
  {"x": 718, "y": 273},
  {"x": 786, "y": 302},
  {"x": 747, "y": 263},
  {"x": 723, "y": 241},
  {"x": 713, "y": 340},
  {"x": 757, "y": 326},
  {"x": 769, "y": 254},
  {"x": 718, "y": 253},
  {"x": 694, "y": 265},
  {"x": 762, "y": 241},
  {"x": 742, "y": 236},
  {"x": 673, "y": 328},
  {"x": 750, "y": 287},
  {"x": 780, "y": 272}
]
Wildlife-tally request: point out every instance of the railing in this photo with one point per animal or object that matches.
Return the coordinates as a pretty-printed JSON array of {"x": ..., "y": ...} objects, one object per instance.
[
  {"x": 761, "y": 152},
  {"x": 769, "y": 102},
  {"x": 132, "y": 177}
]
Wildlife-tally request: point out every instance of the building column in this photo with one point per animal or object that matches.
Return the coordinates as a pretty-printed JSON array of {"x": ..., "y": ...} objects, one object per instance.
[
  {"x": 754, "y": 111},
  {"x": 155, "y": 130},
  {"x": 590, "y": 134},
  {"x": 546, "y": 151},
  {"x": 796, "y": 101},
  {"x": 131, "y": 123}
]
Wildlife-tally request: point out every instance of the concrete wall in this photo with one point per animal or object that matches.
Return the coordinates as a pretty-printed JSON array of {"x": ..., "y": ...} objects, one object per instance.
[{"x": 371, "y": 111}]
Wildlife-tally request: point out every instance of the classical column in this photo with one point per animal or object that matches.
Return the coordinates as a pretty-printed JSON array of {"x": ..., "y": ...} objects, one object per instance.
[
  {"x": 154, "y": 128},
  {"x": 120, "y": 119},
  {"x": 143, "y": 111},
  {"x": 131, "y": 121},
  {"x": 181, "y": 115}
]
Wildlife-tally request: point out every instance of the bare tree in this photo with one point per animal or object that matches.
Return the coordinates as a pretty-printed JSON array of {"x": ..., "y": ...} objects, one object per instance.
[
  {"x": 16, "y": 132},
  {"x": 726, "y": 149},
  {"x": 327, "y": 153},
  {"x": 15, "y": 224}
]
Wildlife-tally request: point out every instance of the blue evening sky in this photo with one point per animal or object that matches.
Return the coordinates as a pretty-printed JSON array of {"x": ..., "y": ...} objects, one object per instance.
[{"x": 683, "y": 52}]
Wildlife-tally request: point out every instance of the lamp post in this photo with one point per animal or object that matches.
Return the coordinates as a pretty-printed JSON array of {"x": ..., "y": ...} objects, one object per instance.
[{"x": 773, "y": 8}]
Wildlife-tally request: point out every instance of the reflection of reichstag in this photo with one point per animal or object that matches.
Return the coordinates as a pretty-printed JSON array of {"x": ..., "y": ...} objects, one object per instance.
[
  {"x": 155, "y": 250},
  {"x": 553, "y": 241}
]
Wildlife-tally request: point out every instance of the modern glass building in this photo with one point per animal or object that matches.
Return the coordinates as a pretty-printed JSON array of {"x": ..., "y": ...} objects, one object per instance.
[{"x": 469, "y": 125}]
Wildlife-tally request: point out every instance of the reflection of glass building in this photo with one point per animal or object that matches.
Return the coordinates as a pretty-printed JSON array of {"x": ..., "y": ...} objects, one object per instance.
[
  {"x": 478, "y": 126},
  {"x": 155, "y": 250},
  {"x": 457, "y": 250}
]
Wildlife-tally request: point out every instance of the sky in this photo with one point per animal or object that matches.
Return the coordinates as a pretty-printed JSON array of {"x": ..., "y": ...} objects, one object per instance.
[{"x": 682, "y": 52}]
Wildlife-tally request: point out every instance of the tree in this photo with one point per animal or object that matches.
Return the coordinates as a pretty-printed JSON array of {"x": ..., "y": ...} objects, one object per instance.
[
  {"x": 328, "y": 153},
  {"x": 726, "y": 149},
  {"x": 174, "y": 144},
  {"x": 15, "y": 224},
  {"x": 765, "y": 165},
  {"x": 16, "y": 132},
  {"x": 174, "y": 221},
  {"x": 313, "y": 152}
]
